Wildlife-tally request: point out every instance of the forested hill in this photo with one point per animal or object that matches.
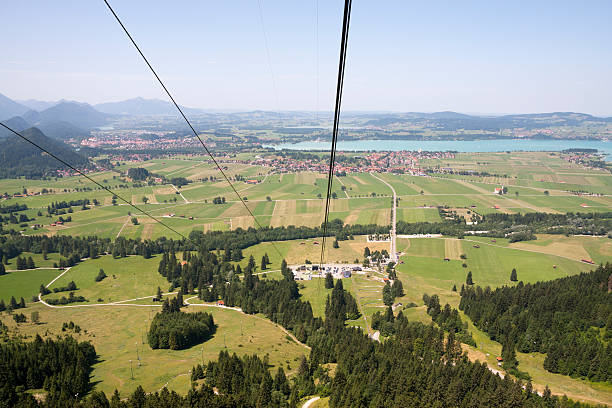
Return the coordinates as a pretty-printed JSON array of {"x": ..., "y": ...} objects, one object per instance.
[
  {"x": 80, "y": 115},
  {"x": 569, "y": 319},
  {"x": 20, "y": 158}
]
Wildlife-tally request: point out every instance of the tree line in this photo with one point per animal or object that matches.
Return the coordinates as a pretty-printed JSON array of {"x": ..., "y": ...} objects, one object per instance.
[{"x": 569, "y": 319}]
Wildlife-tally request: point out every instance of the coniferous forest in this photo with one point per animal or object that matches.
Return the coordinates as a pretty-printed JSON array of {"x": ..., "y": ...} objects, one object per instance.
[
  {"x": 176, "y": 330},
  {"x": 569, "y": 319},
  {"x": 61, "y": 367},
  {"x": 416, "y": 366}
]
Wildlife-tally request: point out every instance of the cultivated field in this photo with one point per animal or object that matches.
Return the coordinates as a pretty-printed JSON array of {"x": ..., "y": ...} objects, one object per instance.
[
  {"x": 118, "y": 311},
  {"x": 298, "y": 198}
]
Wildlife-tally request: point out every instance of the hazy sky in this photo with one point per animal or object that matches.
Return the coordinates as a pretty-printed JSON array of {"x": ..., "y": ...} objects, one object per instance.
[{"x": 466, "y": 56}]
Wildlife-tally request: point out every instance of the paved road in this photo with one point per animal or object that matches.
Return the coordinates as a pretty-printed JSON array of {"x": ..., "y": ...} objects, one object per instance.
[{"x": 393, "y": 246}]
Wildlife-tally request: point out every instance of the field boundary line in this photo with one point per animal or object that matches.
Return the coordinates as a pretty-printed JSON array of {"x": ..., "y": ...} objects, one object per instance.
[{"x": 123, "y": 226}]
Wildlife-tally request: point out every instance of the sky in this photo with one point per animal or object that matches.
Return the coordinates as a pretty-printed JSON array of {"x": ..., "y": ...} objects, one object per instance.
[{"x": 483, "y": 57}]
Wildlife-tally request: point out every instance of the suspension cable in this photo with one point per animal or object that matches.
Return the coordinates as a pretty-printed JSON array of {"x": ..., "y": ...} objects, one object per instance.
[
  {"x": 339, "y": 86},
  {"x": 93, "y": 181},
  {"x": 187, "y": 120}
]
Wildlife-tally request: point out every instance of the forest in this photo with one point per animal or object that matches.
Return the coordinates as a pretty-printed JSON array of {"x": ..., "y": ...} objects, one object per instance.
[
  {"x": 569, "y": 319},
  {"x": 176, "y": 330},
  {"x": 61, "y": 367},
  {"x": 417, "y": 365},
  {"x": 22, "y": 159}
]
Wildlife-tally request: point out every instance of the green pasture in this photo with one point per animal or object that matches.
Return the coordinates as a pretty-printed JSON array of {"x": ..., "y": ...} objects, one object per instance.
[{"x": 24, "y": 283}]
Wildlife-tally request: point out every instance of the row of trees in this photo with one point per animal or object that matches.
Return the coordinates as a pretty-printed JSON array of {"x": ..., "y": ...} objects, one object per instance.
[
  {"x": 23, "y": 263},
  {"x": 12, "y": 305}
]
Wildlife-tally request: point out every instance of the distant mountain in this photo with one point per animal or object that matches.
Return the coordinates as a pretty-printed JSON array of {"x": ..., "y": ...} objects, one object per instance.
[
  {"x": 10, "y": 108},
  {"x": 452, "y": 121},
  {"x": 448, "y": 115},
  {"x": 80, "y": 115},
  {"x": 141, "y": 106},
  {"x": 38, "y": 105},
  {"x": 63, "y": 130},
  {"x": 16, "y": 123},
  {"x": 20, "y": 158}
]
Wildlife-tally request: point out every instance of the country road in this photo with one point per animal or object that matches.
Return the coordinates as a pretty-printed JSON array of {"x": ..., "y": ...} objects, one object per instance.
[{"x": 393, "y": 246}]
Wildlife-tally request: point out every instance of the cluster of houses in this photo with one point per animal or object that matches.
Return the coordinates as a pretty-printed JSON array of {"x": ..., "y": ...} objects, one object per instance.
[
  {"x": 338, "y": 271},
  {"x": 396, "y": 162}
]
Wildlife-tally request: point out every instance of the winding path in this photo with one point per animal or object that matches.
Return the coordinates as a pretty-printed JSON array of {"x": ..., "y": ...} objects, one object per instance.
[{"x": 125, "y": 303}]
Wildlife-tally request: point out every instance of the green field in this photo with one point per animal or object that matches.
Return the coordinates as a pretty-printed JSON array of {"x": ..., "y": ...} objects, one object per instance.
[
  {"x": 127, "y": 278},
  {"x": 294, "y": 198},
  {"x": 24, "y": 283},
  {"x": 286, "y": 199}
]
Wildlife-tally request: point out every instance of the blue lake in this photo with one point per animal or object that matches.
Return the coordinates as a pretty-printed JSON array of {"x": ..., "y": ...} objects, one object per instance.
[{"x": 495, "y": 145}]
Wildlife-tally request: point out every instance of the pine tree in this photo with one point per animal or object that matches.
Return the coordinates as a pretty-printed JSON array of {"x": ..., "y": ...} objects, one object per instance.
[
  {"x": 12, "y": 303},
  {"x": 513, "y": 276},
  {"x": 397, "y": 290},
  {"x": 22, "y": 303},
  {"x": 159, "y": 293},
  {"x": 2, "y": 269},
  {"x": 329, "y": 281},
  {"x": 2, "y": 305},
  {"x": 263, "y": 263},
  {"x": 366, "y": 252},
  {"x": 509, "y": 355},
  {"x": 30, "y": 263},
  {"x": 387, "y": 295},
  {"x": 469, "y": 280},
  {"x": 454, "y": 288}
]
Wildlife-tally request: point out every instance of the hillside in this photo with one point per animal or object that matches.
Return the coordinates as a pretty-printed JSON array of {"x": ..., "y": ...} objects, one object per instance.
[
  {"x": 16, "y": 123},
  {"x": 80, "y": 115},
  {"x": 451, "y": 121},
  {"x": 10, "y": 108},
  {"x": 569, "y": 319},
  {"x": 37, "y": 105},
  {"x": 19, "y": 158},
  {"x": 62, "y": 130},
  {"x": 141, "y": 106}
]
